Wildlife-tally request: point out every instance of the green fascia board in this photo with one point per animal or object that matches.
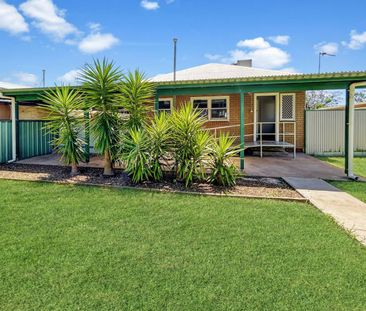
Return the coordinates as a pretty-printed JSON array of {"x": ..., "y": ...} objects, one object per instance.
[{"x": 326, "y": 81}]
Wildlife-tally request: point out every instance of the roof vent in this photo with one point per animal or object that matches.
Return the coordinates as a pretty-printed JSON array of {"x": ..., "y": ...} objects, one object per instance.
[{"x": 244, "y": 63}]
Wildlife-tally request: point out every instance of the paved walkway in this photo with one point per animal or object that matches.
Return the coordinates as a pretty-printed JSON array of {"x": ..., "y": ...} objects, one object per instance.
[{"x": 348, "y": 211}]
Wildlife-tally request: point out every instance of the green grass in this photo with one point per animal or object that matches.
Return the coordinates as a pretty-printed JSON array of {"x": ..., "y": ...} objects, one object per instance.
[
  {"x": 357, "y": 189},
  {"x": 359, "y": 164},
  {"x": 66, "y": 247}
]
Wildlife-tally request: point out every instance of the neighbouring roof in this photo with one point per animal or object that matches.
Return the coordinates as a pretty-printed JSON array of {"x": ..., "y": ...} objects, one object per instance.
[
  {"x": 219, "y": 72},
  {"x": 8, "y": 85}
]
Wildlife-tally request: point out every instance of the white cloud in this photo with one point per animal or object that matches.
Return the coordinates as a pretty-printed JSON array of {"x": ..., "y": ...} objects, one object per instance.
[
  {"x": 327, "y": 47},
  {"x": 11, "y": 20},
  {"x": 70, "y": 77},
  {"x": 267, "y": 58},
  {"x": 357, "y": 40},
  {"x": 149, "y": 5},
  {"x": 256, "y": 43},
  {"x": 258, "y": 50},
  {"x": 280, "y": 39},
  {"x": 26, "y": 78},
  {"x": 97, "y": 42},
  {"x": 48, "y": 18}
]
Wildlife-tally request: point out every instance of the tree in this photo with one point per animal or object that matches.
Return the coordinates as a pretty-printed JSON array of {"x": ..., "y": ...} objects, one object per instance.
[
  {"x": 63, "y": 105},
  {"x": 360, "y": 97},
  {"x": 322, "y": 99},
  {"x": 137, "y": 93},
  {"x": 100, "y": 83}
]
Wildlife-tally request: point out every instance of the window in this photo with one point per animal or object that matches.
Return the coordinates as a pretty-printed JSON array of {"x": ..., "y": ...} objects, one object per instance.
[
  {"x": 165, "y": 104},
  {"x": 213, "y": 108},
  {"x": 202, "y": 105},
  {"x": 287, "y": 108}
]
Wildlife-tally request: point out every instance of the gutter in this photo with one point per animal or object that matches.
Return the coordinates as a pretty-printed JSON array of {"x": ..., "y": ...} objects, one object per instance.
[{"x": 13, "y": 125}]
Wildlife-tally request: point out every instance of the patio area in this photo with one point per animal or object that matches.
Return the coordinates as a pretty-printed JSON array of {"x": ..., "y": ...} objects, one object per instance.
[{"x": 304, "y": 166}]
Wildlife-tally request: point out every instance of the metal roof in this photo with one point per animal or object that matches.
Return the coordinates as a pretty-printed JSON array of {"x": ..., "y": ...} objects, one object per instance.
[{"x": 216, "y": 71}]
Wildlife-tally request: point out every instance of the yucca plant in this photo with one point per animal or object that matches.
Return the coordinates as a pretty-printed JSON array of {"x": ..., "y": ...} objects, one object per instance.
[
  {"x": 137, "y": 97},
  {"x": 64, "y": 105},
  {"x": 160, "y": 143},
  {"x": 190, "y": 143},
  {"x": 136, "y": 155},
  {"x": 101, "y": 83},
  {"x": 223, "y": 171}
]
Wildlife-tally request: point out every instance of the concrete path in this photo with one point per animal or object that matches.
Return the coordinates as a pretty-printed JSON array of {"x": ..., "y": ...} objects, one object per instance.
[{"x": 348, "y": 211}]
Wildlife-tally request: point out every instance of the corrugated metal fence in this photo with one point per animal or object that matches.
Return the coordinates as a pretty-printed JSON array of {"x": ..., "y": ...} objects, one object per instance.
[
  {"x": 325, "y": 132},
  {"x": 34, "y": 140},
  {"x": 5, "y": 141}
]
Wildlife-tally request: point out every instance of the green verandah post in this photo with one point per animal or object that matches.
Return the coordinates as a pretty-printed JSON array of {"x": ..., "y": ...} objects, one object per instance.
[
  {"x": 242, "y": 131},
  {"x": 156, "y": 102},
  {"x": 87, "y": 135},
  {"x": 346, "y": 142}
]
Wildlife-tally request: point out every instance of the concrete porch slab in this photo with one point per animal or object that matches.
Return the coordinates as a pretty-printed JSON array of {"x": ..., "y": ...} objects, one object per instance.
[{"x": 304, "y": 166}]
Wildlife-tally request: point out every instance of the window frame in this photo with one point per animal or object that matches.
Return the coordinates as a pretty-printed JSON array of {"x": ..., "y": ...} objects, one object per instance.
[
  {"x": 293, "y": 107},
  {"x": 170, "y": 99},
  {"x": 209, "y": 106}
]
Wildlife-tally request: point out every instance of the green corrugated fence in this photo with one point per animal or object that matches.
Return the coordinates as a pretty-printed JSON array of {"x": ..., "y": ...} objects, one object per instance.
[
  {"x": 34, "y": 140},
  {"x": 5, "y": 141}
]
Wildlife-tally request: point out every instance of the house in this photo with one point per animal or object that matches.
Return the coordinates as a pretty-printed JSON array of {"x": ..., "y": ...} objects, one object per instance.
[
  {"x": 271, "y": 119},
  {"x": 261, "y": 108}
]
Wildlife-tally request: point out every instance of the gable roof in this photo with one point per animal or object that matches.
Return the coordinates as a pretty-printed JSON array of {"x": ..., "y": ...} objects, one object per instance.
[{"x": 216, "y": 71}]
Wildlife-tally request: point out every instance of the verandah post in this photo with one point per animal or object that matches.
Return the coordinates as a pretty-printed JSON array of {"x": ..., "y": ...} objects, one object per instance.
[
  {"x": 156, "y": 102},
  {"x": 87, "y": 135},
  {"x": 242, "y": 130},
  {"x": 346, "y": 129}
]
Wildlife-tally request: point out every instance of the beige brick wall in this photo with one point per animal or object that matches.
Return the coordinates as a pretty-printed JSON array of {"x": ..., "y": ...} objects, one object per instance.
[{"x": 234, "y": 116}]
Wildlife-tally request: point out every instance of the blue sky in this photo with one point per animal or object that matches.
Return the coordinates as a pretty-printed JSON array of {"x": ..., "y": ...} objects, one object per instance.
[{"x": 60, "y": 36}]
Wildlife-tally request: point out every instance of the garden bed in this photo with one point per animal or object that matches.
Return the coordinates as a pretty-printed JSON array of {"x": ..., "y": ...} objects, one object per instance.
[{"x": 246, "y": 186}]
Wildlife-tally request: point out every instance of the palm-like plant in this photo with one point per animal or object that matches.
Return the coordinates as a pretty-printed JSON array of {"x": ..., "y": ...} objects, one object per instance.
[
  {"x": 223, "y": 171},
  {"x": 137, "y": 96},
  {"x": 63, "y": 105},
  {"x": 190, "y": 143},
  {"x": 136, "y": 154},
  {"x": 100, "y": 83},
  {"x": 160, "y": 143}
]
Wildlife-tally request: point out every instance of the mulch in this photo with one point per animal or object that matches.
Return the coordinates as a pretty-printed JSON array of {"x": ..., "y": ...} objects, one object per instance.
[{"x": 261, "y": 187}]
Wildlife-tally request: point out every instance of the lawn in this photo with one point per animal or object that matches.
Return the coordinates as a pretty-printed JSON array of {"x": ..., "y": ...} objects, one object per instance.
[
  {"x": 72, "y": 247},
  {"x": 359, "y": 164},
  {"x": 357, "y": 189}
]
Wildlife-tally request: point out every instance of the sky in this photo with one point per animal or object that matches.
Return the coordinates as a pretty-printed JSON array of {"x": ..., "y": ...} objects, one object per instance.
[{"x": 61, "y": 36}]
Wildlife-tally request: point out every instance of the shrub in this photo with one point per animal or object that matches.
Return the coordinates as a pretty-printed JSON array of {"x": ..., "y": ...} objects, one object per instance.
[
  {"x": 160, "y": 143},
  {"x": 190, "y": 143},
  {"x": 100, "y": 83},
  {"x": 136, "y": 94},
  {"x": 223, "y": 171},
  {"x": 63, "y": 105},
  {"x": 136, "y": 154}
]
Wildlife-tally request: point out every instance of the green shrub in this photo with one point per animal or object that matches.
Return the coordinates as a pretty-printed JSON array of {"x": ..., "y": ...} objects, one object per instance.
[
  {"x": 136, "y": 155},
  {"x": 136, "y": 94},
  {"x": 63, "y": 105},
  {"x": 160, "y": 143},
  {"x": 190, "y": 143},
  {"x": 223, "y": 171}
]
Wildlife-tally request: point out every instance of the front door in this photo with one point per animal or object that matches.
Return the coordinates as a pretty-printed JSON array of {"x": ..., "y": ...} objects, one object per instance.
[{"x": 266, "y": 117}]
